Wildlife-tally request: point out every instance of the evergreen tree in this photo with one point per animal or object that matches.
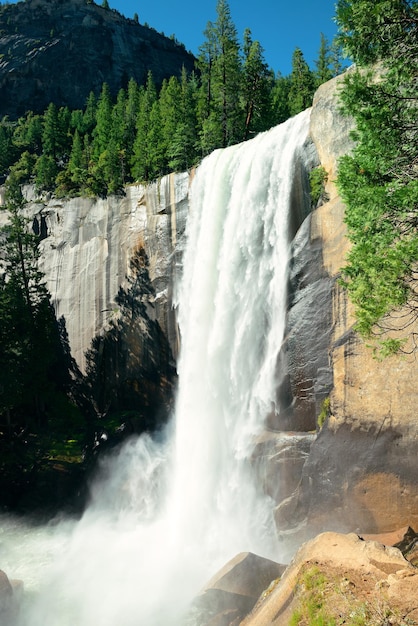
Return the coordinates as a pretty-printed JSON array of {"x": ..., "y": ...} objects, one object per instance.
[
  {"x": 131, "y": 114},
  {"x": 141, "y": 159},
  {"x": 46, "y": 171},
  {"x": 170, "y": 109},
  {"x": 323, "y": 63},
  {"x": 103, "y": 129},
  {"x": 379, "y": 181},
  {"x": 51, "y": 131},
  {"x": 89, "y": 117},
  {"x": 280, "y": 99},
  {"x": 227, "y": 76},
  {"x": 256, "y": 89},
  {"x": 7, "y": 150},
  {"x": 182, "y": 149},
  {"x": 77, "y": 166},
  {"x": 302, "y": 84},
  {"x": 220, "y": 114},
  {"x": 29, "y": 340},
  {"x": 27, "y": 134}
]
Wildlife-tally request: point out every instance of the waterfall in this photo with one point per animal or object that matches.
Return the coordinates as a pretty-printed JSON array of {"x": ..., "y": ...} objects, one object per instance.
[{"x": 168, "y": 511}]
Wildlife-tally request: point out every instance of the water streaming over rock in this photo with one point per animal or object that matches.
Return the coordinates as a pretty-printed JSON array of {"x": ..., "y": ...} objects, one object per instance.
[{"x": 169, "y": 511}]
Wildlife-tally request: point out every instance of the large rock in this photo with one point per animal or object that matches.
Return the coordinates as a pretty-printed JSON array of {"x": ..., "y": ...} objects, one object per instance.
[
  {"x": 233, "y": 591},
  {"x": 346, "y": 576},
  {"x": 10, "y": 595},
  {"x": 87, "y": 247},
  {"x": 360, "y": 474},
  {"x": 61, "y": 50}
]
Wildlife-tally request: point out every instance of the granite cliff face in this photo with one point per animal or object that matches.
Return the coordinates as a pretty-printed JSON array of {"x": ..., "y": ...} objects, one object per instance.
[
  {"x": 87, "y": 247},
  {"x": 60, "y": 50},
  {"x": 360, "y": 474}
]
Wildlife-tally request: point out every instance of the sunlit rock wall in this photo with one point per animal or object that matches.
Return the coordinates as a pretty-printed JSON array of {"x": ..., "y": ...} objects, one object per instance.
[
  {"x": 87, "y": 246},
  {"x": 360, "y": 474}
]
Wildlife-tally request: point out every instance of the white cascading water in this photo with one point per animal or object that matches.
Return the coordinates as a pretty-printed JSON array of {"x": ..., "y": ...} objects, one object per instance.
[{"x": 167, "y": 513}]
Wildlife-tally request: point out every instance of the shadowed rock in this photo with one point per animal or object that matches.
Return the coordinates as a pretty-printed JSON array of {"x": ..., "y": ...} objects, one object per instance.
[{"x": 233, "y": 591}]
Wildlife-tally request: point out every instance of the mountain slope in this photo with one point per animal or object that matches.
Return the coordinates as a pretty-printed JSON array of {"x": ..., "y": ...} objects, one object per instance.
[{"x": 60, "y": 50}]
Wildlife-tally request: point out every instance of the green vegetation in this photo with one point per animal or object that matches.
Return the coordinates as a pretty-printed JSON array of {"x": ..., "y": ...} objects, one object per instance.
[
  {"x": 317, "y": 179},
  {"x": 324, "y": 413},
  {"x": 312, "y": 611},
  {"x": 146, "y": 131},
  {"x": 379, "y": 181},
  {"x": 322, "y": 600},
  {"x": 53, "y": 418}
]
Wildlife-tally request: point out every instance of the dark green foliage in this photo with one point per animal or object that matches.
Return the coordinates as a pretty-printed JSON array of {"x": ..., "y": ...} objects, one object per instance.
[
  {"x": 28, "y": 331},
  {"x": 256, "y": 89},
  {"x": 379, "y": 182},
  {"x": 323, "y": 63},
  {"x": 317, "y": 179},
  {"x": 302, "y": 86}
]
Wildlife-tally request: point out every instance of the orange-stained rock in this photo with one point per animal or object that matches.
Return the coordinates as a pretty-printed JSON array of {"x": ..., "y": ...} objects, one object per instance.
[{"x": 360, "y": 474}]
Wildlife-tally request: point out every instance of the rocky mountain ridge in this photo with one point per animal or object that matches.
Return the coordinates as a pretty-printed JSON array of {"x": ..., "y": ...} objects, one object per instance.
[{"x": 61, "y": 50}]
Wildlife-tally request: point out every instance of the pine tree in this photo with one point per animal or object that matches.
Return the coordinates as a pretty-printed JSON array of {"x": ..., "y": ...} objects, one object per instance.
[
  {"x": 379, "y": 180},
  {"x": 302, "y": 84},
  {"x": 77, "y": 167},
  {"x": 28, "y": 339},
  {"x": 141, "y": 166},
  {"x": 280, "y": 99},
  {"x": 323, "y": 63},
  {"x": 103, "y": 129},
  {"x": 182, "y": 149},
  {"x": 256, "y": 88},
  {"x": 50, "y": 132},
  {"x": 7, "y": 150},
  {"x": 89, "y": 117},
  {"x": 131, "y": 114},
  {"x": 220, "y": 115}
]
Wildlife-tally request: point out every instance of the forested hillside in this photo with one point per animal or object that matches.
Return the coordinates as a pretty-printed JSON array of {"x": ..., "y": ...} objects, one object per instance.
[{"x": 151, "y": 129}]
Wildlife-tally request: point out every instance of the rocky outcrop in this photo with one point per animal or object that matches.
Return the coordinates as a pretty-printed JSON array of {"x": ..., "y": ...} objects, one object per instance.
[
  {"x": 10, "y": 595},
  {"x": 87, "y": 249},
  {"x": 231, "y": 594},
  {"x": 360, "y": 474},
  {"x": 61, "y": 50},
  {"x": 341, "y": 577}
]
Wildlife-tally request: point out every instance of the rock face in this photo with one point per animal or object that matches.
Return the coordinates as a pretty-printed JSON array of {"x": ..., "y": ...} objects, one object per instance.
[
  {"x": 347, "y": 577},
  {"x": 60, "y": 50},
  {"x": 361, "y": 471},
  {"x": 10, "y": 595},
  {"x": 88, "y": 245},
  {"x": 231, "y": 594}
]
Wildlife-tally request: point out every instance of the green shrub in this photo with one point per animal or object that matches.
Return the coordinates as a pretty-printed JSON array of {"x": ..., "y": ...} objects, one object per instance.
[
  {"x": 317, "y": 179},
  {"x": 325, "y": 412}
]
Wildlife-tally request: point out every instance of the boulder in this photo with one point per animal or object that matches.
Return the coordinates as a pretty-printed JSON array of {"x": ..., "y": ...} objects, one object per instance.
[
  {"x": 233, "y": 591},
  {"x": 10, "y": 593},
  {"x": 344, "y": 576}
]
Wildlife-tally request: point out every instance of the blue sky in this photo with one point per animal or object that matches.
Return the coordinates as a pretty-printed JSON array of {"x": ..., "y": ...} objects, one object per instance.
[{"x": 279, "y": 25}]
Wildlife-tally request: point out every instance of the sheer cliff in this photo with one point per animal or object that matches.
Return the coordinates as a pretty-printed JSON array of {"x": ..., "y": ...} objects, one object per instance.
[{"x": 61, "y": 50}]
